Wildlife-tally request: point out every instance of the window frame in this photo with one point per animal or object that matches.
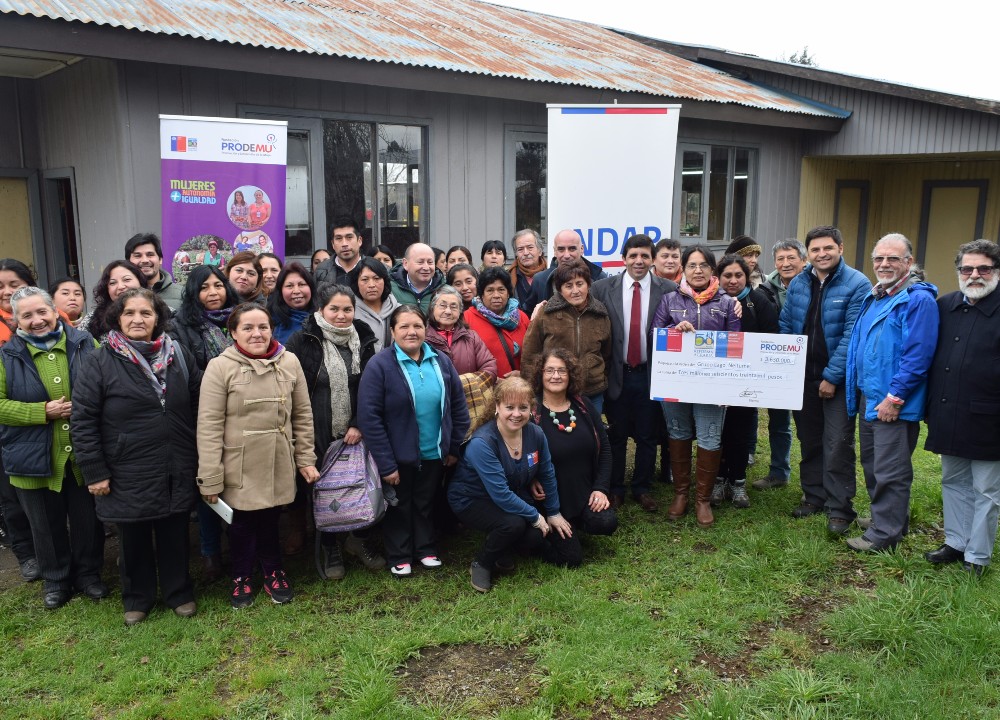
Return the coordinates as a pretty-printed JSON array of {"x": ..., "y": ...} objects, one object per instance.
[{"x": 753, "y": 168}]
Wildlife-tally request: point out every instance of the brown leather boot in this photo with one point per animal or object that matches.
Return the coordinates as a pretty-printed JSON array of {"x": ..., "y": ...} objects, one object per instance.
[
  {"x": 680, "y": 468},
  {"x": 705, "y": 471}
]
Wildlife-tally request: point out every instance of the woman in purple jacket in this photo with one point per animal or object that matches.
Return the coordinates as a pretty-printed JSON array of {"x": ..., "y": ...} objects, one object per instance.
[{"x": 699, "y": 304}]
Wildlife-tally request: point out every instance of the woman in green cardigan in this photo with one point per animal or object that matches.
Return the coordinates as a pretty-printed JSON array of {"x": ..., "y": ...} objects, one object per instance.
[{"x": 37, "y": 370}]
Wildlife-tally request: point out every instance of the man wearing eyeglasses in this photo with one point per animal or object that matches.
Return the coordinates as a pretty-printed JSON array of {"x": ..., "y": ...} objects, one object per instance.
[
  {"x": 887, "y": 362},
  {"x": 823, "y": 303},
  {"x": 963, "y": 409}
]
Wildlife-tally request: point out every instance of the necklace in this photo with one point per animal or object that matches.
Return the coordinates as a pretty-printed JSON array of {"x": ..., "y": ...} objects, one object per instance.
[
  {"x": 515, "y": 452},
  {"x": 559, "y": 425}
]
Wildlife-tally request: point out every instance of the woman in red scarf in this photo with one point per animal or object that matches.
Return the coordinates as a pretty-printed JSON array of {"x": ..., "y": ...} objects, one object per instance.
[{"x": 699, "y": 304}]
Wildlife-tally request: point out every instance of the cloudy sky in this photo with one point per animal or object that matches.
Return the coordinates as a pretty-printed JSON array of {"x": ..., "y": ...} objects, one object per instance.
[{"x": 948, "y": 46}]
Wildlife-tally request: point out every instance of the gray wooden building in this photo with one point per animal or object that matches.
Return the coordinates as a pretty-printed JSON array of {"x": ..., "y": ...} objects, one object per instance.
[{"x": 425, "y": 121}]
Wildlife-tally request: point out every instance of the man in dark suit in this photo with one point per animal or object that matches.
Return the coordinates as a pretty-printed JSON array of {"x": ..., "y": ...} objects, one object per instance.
[
  {"x": 631, "y": 299},
  {"x": 567, "y": 246}
]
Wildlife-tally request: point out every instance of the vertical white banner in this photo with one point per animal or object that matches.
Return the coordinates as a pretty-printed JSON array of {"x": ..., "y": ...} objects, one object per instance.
[{"x": 611, "y": 175}]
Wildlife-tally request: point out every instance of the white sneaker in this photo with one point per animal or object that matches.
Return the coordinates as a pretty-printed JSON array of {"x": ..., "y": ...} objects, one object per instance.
[
  {"x": 431, "y": 561},
  {"x": 401, "y": 570}
]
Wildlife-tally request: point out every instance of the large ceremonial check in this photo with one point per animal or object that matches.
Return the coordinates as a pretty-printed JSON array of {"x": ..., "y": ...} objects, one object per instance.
[{"x": 729, "y": 368}]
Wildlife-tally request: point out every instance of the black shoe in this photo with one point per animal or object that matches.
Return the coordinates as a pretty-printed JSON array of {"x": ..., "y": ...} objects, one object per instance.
[
  {"x": 4, "y": 535},
  {"x": 211, "y": 567},
  {"x": 481, "y": 579},
  {"x": 242, "y": 596},
  {"x": 96, "y": 591},
  {"x": 276, "y": 585},
  {"x": 838, "y": 526},
  {"x": 974, "y": 569},
  {"x": 944, "y": 554},
  {"x": 55, "y": 599},
  {"x": 30, "y": 571},
  {"x": 805, "y": 510}
]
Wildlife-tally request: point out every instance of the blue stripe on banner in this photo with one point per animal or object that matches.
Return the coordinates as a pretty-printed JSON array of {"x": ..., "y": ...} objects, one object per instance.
[
  {"x": 661, "y": 339},
  {"x": 583, "y": 111},
  {"x": 721, "y": 344}
]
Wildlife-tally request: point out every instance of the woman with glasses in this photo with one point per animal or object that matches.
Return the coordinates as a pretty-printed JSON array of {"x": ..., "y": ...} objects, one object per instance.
[
  {"x": 698, "y": 304},
  {"x": 581, "y": 453}
]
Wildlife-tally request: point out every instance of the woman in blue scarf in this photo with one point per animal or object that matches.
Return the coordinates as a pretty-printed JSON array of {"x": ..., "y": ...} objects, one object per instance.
[
  {"x": 497, "y": 319},
  {"x": 200, "y": 328},
  {"x": 292, "y": 302}
]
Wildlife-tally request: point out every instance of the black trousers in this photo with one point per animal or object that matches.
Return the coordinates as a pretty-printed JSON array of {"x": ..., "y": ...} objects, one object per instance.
[
  {"x": 633, "y": 415},
  {"x": 18, "y": 528},
  {"x": 253, "y": 538},
  {"x": 152, "y": 548},
  {"x": 826, "y": 441},
  {"x": 66, "y": 558},
  {"x": 739, "y": 438},
  {"x": 569, "y": 551},
  {"x": 408, "y": 528},
  {"x": 506, "y": 533}
]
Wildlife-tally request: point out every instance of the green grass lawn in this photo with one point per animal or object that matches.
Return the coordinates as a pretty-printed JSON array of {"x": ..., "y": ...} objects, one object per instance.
[{"x": 761, "y": 616}]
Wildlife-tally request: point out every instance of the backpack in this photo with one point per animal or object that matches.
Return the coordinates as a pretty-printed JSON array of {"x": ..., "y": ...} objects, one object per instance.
[{"x": 348, "y": 494}]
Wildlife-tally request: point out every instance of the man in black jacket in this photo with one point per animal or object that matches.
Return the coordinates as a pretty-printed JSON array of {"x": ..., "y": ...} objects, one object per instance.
[
  {"x": 963, "y": 410},
  {"x": 345, "y": 244},
  {"x": 566, "y": 247}
]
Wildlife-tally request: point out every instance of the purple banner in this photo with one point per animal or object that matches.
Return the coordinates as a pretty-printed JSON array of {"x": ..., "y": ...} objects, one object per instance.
[{"x": 222, "y": 191}]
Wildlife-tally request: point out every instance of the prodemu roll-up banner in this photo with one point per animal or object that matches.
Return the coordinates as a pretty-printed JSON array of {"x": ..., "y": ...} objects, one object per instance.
[
  {"x": 222, "y": 189},
  {"x": 611, "y": 175}
]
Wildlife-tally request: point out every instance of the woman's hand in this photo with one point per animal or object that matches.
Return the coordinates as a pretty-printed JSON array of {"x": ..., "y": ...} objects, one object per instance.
[
  {"x": 598, "y": 501},
  {"x": 56, "y": 409},
  {"x": 560, "y": 525},
  {"x": 391, "y": 478},
  {"x": 738, "y": 309},
  {"x": 541, "y": 525},
  {"x": 352, "y": 436},
  {"x": 537, "y": 491},
  {"x": 450, "y": 460},
  {"x": 684, "y": 326},
  {"x": 100, "y": 488},
  {"x": 538, "y": 310},
  {"x": 210, "y": 499},
  {"x": 309, "y": 473}
]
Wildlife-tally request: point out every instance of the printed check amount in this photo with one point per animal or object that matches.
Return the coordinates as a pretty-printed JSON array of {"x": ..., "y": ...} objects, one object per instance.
[{"x": 764, "y": 370}]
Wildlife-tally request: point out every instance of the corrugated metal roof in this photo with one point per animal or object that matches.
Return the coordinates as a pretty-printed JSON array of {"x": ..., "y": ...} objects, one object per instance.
[{"x": 456, "y": 35}]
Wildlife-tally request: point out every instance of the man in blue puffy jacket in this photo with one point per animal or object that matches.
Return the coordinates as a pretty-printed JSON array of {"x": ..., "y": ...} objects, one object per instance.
[
  {"x": 823, "y": 303},
  {"x": 887, "y": 364}
]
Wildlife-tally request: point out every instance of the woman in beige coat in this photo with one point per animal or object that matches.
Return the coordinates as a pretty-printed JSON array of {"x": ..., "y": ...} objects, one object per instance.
[{"x": 254, "y": 429}]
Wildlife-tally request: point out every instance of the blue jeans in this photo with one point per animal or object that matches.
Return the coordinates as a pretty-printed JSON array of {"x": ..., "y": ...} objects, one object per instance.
[
  {"x": 686, "y": 421},
  {"x": 779, "y": 436},
  {"x": 597, "y": 400}
]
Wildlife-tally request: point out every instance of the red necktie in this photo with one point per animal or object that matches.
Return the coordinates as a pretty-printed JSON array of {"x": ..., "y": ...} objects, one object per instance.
[{"x": 634, "y": 356}]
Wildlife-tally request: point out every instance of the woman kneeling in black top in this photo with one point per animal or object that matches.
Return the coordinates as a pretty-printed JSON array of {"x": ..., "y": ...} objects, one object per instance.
[{"x": 580, "y": 452}]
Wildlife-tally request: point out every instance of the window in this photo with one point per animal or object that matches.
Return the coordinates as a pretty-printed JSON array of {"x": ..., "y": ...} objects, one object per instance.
[
  {"x": 525, "y": 182},
  {"x": 713, "y": 195},
  {"x": 372, "y": 172}
]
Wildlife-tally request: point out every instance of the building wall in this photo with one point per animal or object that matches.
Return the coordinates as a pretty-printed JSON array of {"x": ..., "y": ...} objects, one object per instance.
[
  {"x": 78, "y": 116},
  {"x": 778, "y": 173},
  {"x": 464, "y": 140},
  {"x": 896, "y": 200},
  {"x": 889, "y": 125}
]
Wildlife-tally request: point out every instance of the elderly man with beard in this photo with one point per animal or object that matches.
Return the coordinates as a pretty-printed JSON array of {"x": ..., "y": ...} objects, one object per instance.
[
  {"x": 887, "y": 362},
  {"x": 963, "y": 409},
  {"x": 529, "y": 260}
]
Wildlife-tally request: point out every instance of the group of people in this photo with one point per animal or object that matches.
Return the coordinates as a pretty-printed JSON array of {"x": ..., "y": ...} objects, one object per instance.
[{"x": 481, "y": 394}]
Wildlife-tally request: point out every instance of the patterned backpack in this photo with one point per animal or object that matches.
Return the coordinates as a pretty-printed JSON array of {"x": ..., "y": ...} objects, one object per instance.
[{"x": 348, "y": 494}]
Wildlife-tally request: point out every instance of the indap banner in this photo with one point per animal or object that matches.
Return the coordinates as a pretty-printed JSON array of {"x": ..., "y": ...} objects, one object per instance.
[
  {"x": 611, "y": 175},
  {"x": 222, "y": 189}
]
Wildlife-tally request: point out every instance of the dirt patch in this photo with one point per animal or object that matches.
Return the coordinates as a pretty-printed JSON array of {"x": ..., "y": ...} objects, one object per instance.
[
  {"x": 704, "y": 547},
  {"x": 739, "y": 667},
  {"x": 479, "y": 680},
  {"x": 854, "y": 573},
  {"x": 671, "y": 706}
]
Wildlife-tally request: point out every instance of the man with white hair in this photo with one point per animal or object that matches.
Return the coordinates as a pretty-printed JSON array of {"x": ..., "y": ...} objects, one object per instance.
[
  {"x": 963, "y": 409},
  {"x": 529, "y": 260},
  {"x": 891, "y": 348},
  {"x": 417, "y": 279}
]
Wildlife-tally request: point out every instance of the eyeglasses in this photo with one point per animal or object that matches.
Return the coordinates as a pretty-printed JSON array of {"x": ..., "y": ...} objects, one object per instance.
[
  {"x": 560, "y": 372},
  {"x": 983, "y": 270},
  {"x": 891, "y": 259},
  {"x": 448, "y": 306},
  {"x": 698, "y": 266}
]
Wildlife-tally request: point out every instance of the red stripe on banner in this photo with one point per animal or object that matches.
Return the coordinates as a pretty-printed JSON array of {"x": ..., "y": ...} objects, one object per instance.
[
  {"x": 675, "y": 341},
  {"x": 666, "y": 399},
  {"x": 613, "y": 263},
  {"x": 635, "y": 111},
  {"x": 734, "y": 347}
]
